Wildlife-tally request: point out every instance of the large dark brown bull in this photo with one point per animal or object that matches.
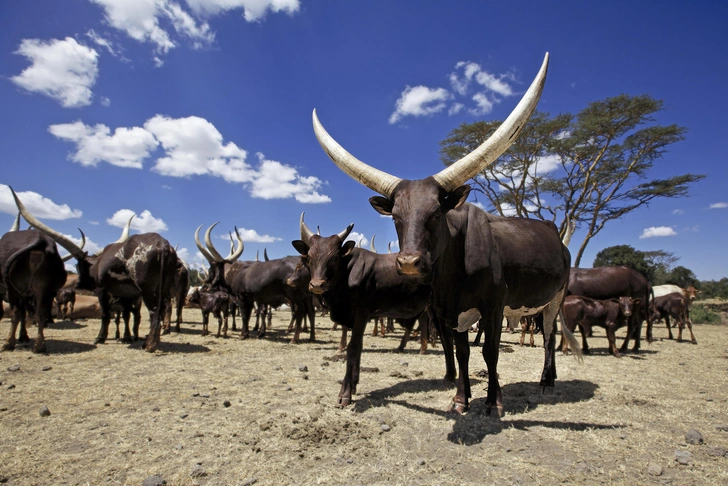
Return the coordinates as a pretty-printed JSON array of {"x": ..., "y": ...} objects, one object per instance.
[
  {"x": 32, "y": 274},
  {"x": 178, "y": 291},
  {"x": 357, "y": 285},
  {"x": 477, "y": 264},
  {"x": 141, "y": 265},
  {"x": 612, "y": 283}
]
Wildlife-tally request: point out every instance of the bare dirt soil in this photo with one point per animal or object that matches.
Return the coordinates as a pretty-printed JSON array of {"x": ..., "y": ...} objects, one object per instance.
[{"x": 214, "y": 411}]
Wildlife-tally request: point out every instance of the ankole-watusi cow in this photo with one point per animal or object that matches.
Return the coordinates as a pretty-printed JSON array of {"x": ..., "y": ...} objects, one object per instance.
[
  {"x": 357, "y": 285},
  {"x": 32, "y": 273},
  {"x": 136, "y": 266},
  {"x": 219, "y": 266},
  {"x": 477, "y": 264}
]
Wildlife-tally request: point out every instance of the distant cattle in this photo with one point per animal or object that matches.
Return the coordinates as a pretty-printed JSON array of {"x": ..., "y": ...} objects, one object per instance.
[
  {"x": 690, "y": 294},
  {"x": 673, "y": 305},
  {"x": 215, "y": 303},
  {"x": 124, "y": 307},
  {"x": 65, "y": 299},
  {"x": 585, "y": 312}
]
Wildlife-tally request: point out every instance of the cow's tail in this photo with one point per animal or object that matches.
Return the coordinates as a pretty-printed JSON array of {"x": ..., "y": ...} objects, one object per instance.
[
  {"x": 570, "y": 227},
  {"x": 570, "y": 339}
]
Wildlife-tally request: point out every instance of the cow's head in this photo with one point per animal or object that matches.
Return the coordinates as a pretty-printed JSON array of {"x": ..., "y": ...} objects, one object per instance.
[
  {"x": 216, "y": 276},
  {"x": 301, "y": 277},
  {"x": 626, "y": 304},
  {"x": 322, "y": 255},
  {"x": 691, "y": 293},
  {"x": 419, "y": 207}
]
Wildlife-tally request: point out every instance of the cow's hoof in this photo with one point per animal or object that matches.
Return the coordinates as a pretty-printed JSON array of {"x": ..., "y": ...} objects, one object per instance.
[
  {"x": 8, "y": 347},
  {"x": 343, "y": 402},
  {"x": 100, "y": 341},
  {"x": 498, "y": 407},
  {"x": 694, "y": 341},
  {"x": 261, "y": 335},
  {"x": 423, "y": 351},
  {"x": 40, "y": 349},
  {"x": 127, "y": 340},
  {"x": 165, "y": 331},
  {"x": 458, "y": 408},
  {"x": 244, "y": 336},
  {"x": 617, "y": 355},
  {"x": 293, "y": 341}
]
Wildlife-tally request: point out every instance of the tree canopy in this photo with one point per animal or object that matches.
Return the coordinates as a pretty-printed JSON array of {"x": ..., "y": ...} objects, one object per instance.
[{"x": 590, "y": 168}]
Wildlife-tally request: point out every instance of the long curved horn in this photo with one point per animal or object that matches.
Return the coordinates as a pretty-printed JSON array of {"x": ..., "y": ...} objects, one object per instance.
[
  {"x": 459, "y": 172},
  {"x": 83, "y": 243},
  {"x": 346, "y": 232},
  {"x": 477, "y": 160},
  {"x": 257, "y": 252},
  {"x": 389, "y": 247},
  {"x": 360, "y": 240},
  {"x": 374, "y": 179},
  {"x": 371, "y": 244},
  {"x": 202, "y": 249},
  {"x": 125, "y": 232},
  {"x": 318, "y": 230},
  {"x": 306, "y": 233},
  {"x": 232, "y": 245},
  {"x": 238, "y": 251},
  {"x": 570, "y": 228},
  {"x": 210, "y": 246},
  {"x": 265, "y": 254},
  {"x": 66, "y": 243},
  {"x": 175, "y": 247},
  {"x": 16, "y": 224}
]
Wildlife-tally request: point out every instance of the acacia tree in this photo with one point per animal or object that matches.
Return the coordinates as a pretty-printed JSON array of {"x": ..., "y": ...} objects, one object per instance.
[{"x": 602, "y": 159}]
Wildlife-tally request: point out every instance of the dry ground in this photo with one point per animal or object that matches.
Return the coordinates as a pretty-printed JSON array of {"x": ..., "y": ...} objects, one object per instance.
[{"x": 119, "y": 415}]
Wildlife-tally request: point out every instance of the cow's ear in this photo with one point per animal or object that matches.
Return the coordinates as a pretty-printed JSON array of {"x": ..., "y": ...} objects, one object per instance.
[
  {"x": 615, "y": 300},
  {"x": 456, "y": 198},
  {"x": 636, "y": 301},
  {"x": 382, "y": 205},
  {"x": 347, "y": 247},
  {"x": 300, "y": 247}
]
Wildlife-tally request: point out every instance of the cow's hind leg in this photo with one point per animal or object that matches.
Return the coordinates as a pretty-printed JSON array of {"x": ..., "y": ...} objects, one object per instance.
[
  {"x": 126, "y": 313},
  {"x": 17, "y": 316},
  {"x": 491, "y": 342}
]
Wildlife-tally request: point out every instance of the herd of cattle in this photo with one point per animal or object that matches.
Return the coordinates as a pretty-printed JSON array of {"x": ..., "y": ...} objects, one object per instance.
[{"x": 458, "y": 267}]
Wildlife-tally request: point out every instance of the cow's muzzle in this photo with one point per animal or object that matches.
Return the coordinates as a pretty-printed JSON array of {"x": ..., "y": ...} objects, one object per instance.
[
  {"x": 318, "y": 286},
  {"x": 409, "y": 264}
]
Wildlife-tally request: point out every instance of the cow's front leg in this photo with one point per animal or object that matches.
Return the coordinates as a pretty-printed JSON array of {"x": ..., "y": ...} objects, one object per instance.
[{"x": 353, "y": 357}]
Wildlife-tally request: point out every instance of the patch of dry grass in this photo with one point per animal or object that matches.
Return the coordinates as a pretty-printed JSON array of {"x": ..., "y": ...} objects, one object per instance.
[{"x": 119, "y": 414}]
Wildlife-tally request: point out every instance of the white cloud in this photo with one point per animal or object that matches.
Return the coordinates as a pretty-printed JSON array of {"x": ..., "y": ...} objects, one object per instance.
[
  {"x": 144, "y": 222},
  {"x": 192, "y": 146},
  {"x": 482, "y": 104},
  {"x": 105, "y": 101},
  {"x": 91, "y": 247},
  {"x": 275, "y": 180},
  {"x": 654, "y": 231},
  {"x": 143, "y": 20},
  {"x": 102, "y": 42},
  {"x": 678, "y": 211},
  {"x": 455, "y": 109},
  {"x": 61, "y": 69},
  {"x": 253, "y": 10},
  {"x": 95, "y": 223},
  {"x": 357, "y": 237},
  {"x": 419, "y": 101},
  {"x": 158, "y": 63},
  {"x": 138, "y": 18},
  {"x": 252, "y": 236},
  {"x": 127, "y": 147},
  {"x": 184, "y": 254},
  {"x": 39, "y": 206},
  {"x": 165, "y": 186},
  {"x": 719, "y": 205}
]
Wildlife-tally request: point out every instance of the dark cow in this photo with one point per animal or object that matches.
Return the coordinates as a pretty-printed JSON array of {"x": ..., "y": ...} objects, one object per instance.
[
  {"x": 178, "y": 291},
  {"x": 65, "y": 298},
  {"x": 217, "y": 303},
  {"x": 478, "y": 265},
  {"x": 673, "y": 305},
  {"x": 357, "y": 285},
  {"x": 126, "y": 307},
  {"x": 610, "y": 314},
  {"x": 140, "y": 265},
  {"x": 605, "y": 283},
  {"x": 32, "y": 274}
]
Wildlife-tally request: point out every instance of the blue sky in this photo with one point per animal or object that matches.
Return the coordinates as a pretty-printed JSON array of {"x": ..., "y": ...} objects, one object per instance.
[{"x": 187, "y": 112}]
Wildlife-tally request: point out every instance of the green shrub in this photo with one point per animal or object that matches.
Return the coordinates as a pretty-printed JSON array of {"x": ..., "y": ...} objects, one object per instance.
[{"x": 701, "y": 314}]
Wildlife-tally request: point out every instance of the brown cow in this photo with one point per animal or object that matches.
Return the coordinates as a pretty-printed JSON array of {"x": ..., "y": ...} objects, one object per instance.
[
  {"x": 673, "y": 305},
  {"x": 586, "y": 312},
  {"x": 65, "y": 298}
]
